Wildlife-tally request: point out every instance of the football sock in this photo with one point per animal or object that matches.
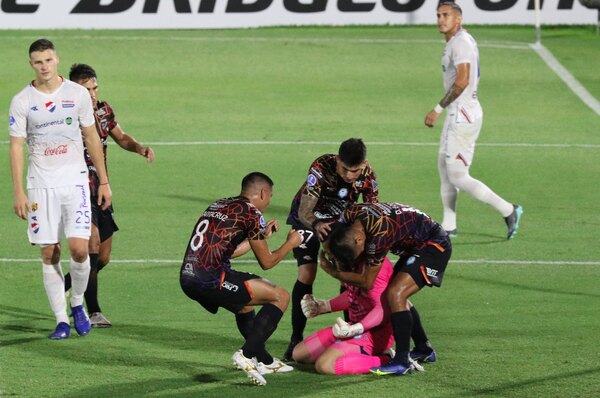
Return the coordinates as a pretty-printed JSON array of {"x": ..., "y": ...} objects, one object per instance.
[
  {"x": 54, "y": 285},
  {"x": 418, "y": 333},
  {"x": 449, "y": 194},
  {"x": 353, "y": 364},
  {"x": 91, "y": 292},
  {"x": 298, "y": 318},
  {"x": 402, "y": 323},
  {"x": 265, "y": 323},
  {"x": 318, "y": 342},
  {"x": 245, "y": 322},
  {"x": 80, "y": 273}
]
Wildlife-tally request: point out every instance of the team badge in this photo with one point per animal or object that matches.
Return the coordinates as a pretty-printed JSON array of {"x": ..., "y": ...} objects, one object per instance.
[
  {"x": 311, "y": 180},
  {"x": 35, "y": 227},
  {"x": 50, "y": 106},
  {"x": 342, "y": 193},
  {"x": 262, "y": 222},
  {"x": 34, "y": 206},
  {"x": 11, "y": 120}
]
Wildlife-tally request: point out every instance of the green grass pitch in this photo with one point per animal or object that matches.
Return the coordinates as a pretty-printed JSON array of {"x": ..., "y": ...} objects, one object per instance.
[{"x": 513, "y": 319}]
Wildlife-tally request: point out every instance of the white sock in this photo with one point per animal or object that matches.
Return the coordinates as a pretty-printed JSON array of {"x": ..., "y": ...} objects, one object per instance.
[
  {"x": 459, "y": 177},
  {"x": 449, "y": 194},
  {"x": 80, "y": 273},
  {"x": 54, "y": 283}
]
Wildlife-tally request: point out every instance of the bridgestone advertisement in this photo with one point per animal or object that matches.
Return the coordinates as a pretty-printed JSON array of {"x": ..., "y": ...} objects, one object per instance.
[{"x": 190, "y": 14}]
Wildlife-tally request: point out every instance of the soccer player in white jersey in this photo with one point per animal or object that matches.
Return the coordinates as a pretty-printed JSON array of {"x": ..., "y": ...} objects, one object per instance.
[
  {"x": 50, "y": 115},
  {"x": 464, "y": 116}
]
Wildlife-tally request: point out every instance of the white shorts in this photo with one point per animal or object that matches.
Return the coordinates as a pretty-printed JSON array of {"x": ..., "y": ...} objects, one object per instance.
[
  {"x": 459, "y": 134},
  {"x": 59, "y": 212}
]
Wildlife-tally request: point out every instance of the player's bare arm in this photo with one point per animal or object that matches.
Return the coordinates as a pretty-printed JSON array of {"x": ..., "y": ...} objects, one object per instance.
[
  {"x": 94, "y": 147},
  {"x": 271, "y": 228},
  {"x": 130, "y": 144},
  {"x": 266, "y": 258},
  {"x": 460, "y": 84},
  {"x": 308, "y": 218},
  {"x": 241, "y": 249},
  {"x": 363, "y": 280},
  {"x": 20, "y": 202}
]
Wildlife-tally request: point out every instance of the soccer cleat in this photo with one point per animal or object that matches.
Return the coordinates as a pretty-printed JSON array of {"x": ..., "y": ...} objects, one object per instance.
[
  {"x": 287, "y": 356},
  {"x": 415, "y": 365},
  {"x": 453, "y": 233},
  {"x": 99, "y": 321},
  {"x": 393, "y": 368},
  {"x": 249, "y": 366},
  {"x": 62, "y": 331},
  {"x": 81, "y": 320},
  {"x": 276, "y": 367},
  {"x": 423, "y": 356},
  {"x": 512, "y": 221}
]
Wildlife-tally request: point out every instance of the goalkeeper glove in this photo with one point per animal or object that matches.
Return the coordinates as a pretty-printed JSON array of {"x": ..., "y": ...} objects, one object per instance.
[
  {"x": 343, "y": 329},
  {"x": 311, "y": 307}
]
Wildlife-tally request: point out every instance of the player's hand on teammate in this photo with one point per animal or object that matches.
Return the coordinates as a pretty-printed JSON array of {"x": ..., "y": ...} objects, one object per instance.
[
  {"x": 271, "y": 228},
  {"x": 344, "y": 330},
  {"x": 431, "y": 118},
  {"x": 104, "y": 196},
  {"x": 327, "y": 265},
  {"x": 148, "y": 153},
  {"x": 322, "y": 229},
  {"x": 294, "y": 238},
  {"x": 311, "y": 307},
  {"x": 21, "y": 205}
]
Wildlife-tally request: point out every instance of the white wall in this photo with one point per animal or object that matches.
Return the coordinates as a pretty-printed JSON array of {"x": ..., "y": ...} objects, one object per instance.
[{"x": 128, "y": 14}]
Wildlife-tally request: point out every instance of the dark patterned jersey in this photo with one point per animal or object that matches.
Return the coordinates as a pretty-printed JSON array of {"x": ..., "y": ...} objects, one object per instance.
[
  {"x": 333, "y": 193},
  {"x": 221, "y": 228},
  {"x": 394, "y": 227},
  {"x": 105, "y": 122}
]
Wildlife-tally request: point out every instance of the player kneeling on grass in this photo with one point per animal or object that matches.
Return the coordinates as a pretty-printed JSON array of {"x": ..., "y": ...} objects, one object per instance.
[
  {"x": 350, "y": 348},
  {"x": 229, "y": 228}
]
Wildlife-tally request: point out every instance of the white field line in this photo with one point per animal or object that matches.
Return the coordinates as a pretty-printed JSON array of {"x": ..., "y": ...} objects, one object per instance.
[
  {"x": 333, "y": 40},
  {"x": 470, "y": 262},
  {"x": 370, "y": 143},
  {"x": 567, "y": 77}
]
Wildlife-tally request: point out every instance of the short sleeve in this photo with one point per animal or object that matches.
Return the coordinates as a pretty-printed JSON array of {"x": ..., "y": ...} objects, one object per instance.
[
  {"x": 462, "y": 53},
  {"x": 371, "y": 187},
  {"x": 314, "y": 181},
  {"x": 86, "y": 110},
  {"x": 17, "y": 118},
  {"x": 256, "y": 225}
]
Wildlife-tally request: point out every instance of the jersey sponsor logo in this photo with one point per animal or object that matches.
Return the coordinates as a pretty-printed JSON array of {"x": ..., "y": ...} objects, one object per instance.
[
  {"x": 311, "y": 180},
  {"x": 307, "y": 258},
  {"x": 188, "y": 269},
  {"x": 59, "y": 150},
  {"x": 431, "y": 271},
  {"x": 52, "y": 123},
  {"x": 68, "y": 103},
  {"x": 230, "y": 286},
  {"x": 50, "y": 106},
  {"x": 343, "y": 193},
  {"x": 11, "y": 120},
  {"x": 34, "y": 108},
  {"x": 69, "y": 120}
]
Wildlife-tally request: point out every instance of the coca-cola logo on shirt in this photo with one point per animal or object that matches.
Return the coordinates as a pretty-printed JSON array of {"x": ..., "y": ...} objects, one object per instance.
[{"x": 58, "y": 150}]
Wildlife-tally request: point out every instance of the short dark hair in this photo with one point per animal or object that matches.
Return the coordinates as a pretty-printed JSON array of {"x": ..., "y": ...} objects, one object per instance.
[
  {"x": 41, "y": 45},
  {"x": 341, "y": 246},
  {"x": 353, "y": 152},
  {"x": 255, "y": 177},
  {"x": 81, "y": 73},
  {"x": 452, "y": 5}
]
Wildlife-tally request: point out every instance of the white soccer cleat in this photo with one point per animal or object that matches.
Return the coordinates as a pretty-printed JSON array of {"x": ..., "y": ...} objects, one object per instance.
[
  {"x": 276, "y": 367},
  {"x": 249, "y": 366}
]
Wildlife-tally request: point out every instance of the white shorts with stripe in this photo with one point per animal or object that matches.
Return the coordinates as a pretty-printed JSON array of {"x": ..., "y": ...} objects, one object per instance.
[
  {"x": 59, "y": 212},
  {"x": 460, "y": 132}
]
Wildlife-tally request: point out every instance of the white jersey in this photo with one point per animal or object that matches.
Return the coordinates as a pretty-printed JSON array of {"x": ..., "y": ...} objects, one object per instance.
[
  {"x": 51, "y": 125},
  {"x": 462, "y": 49}
]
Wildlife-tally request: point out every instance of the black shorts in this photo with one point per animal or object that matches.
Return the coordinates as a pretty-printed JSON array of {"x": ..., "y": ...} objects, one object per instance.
[
  {"x": 426, "y": 266},
  {"x": 308, "y": 251},
  {"x": 233, "y": 293},
  {"x": 103, "y": 219}
]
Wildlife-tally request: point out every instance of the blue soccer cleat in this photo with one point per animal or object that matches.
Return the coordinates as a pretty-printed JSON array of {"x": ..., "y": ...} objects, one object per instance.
[
  {"x": 423, "y": 356},
  {"x": 392, "y": 368},
  {"x": 81, "y": 320},
  {"x": 512, "y": 221},
  {"x": 62, "y": 331}
]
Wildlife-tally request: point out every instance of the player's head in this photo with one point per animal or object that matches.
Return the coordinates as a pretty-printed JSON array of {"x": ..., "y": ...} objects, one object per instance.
[
  {"x": 449, "y": 17},
  {"x": 86, "y": 76},
  {"x": 345, "y": 243},
  {"x": 258, "y": 187},
  {"x": 351, "y": 159},
  {"x": 44, "y": 60}
]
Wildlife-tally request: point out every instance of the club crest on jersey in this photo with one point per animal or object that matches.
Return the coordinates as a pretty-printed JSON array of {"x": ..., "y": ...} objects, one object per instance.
[
  {"x": 11, "y": 120},
  {"x": 50, "y": 106},
  {"x": 342, "y": 193},
  {"x": 262, "y": 222},
  {"x": 311, "y": 180}
]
